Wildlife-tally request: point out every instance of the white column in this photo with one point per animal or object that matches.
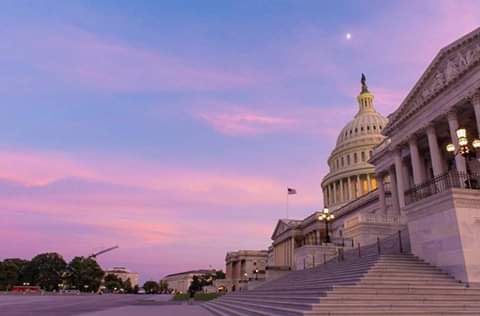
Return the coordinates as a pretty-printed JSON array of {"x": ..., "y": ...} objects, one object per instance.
[
  {"x": 417, "y": 165},
  {"x": 334, "y": 192},
  {"x": 330, "y": 194},
  {"x": 359, "y": 186},
  {"x": 369, "y": 183},
  {"x": 342, "y": 197},
  {"x": 435, "y": 155},
  {"x": 349, "y": 184},
  {"x": 453, "y": 124},
  {"x": 394, "y": 191},
  {"x": 381, "y": 194},
  {"x": 476, "y": 108},
  {"x": 399, "y": 178}
]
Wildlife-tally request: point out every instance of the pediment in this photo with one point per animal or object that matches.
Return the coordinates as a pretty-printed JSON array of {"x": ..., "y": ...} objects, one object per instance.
[
  {"x": 282, "y": 226},
  {"x": 447, "y": 67}
]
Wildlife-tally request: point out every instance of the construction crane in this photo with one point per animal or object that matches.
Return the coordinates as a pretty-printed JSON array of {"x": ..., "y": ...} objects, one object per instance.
[{"x": 94, "y": 256}]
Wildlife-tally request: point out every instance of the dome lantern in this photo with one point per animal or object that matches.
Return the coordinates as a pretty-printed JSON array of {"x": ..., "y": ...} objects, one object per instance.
[{"x": 365, "y": 99}]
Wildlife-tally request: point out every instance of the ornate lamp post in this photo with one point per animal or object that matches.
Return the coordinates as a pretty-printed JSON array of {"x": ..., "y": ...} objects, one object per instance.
[
  {"x": 256, "y": 274},
  {"x": 463, "y": 144},
  {"x": 326, "y": 217}
]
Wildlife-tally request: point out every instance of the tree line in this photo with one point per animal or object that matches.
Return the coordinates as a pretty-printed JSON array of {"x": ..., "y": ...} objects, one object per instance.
[{"x": 51, "y": 272}]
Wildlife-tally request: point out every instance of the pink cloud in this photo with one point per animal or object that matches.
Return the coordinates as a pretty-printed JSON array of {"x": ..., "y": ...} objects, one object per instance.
[
  {"x": 240, "y": 122},
  {"x": 39, "y": 168},
  {"x": 246, "y": 120}
]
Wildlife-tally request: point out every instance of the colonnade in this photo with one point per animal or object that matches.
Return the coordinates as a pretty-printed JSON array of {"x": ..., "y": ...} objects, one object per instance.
[
  {"x": 435, "y": 158},
  {"x": 348, "y": 188}
]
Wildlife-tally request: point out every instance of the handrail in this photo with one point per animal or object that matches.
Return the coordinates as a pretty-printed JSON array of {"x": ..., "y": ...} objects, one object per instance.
[{"x": 444, "y": 182}]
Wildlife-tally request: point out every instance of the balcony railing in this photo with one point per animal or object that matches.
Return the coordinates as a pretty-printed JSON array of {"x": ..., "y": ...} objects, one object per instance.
[{"x": 452, "y": 179}]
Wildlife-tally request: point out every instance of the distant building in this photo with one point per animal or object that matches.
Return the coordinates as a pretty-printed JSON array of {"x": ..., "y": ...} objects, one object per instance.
[
  {"x": 243, "y": 266},
  {"x": 124, "y": 275},
  {"x": 180, "y": 282}
]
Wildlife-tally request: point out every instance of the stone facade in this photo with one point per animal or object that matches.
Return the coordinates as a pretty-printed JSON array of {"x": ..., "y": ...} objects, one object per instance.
[
  {"x": 243, "y": 267},
  {"x": 180, "y": 282},
  {"x": 124, "y": 275},
  {"x": 437, "y": 191}
]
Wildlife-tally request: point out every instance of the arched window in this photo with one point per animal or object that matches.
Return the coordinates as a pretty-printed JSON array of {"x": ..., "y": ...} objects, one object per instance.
[
  {"x": 355, "y": 158},
  {"x": 363, "y": 156}
]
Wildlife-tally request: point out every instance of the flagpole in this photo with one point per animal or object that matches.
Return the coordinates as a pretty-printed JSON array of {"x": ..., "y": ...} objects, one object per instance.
[{"x": 287, "y": 203}]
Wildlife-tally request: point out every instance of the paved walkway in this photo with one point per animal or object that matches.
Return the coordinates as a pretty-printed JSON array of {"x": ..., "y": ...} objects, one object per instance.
[
  {"x": 96, "y": 305},
  {"x": 158, "y": 310}
]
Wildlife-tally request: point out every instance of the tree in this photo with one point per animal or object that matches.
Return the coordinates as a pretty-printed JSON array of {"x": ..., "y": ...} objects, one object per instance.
[
  {"x": 151, "y": 287},
  {"x": 46, "y": 270},
  {"x": 21, "y": 265},
  {"x": 219, "y": 275},
  {"x": 127, "y": 286},
  {"x": 196, "y": 285},
  {"x": 163, "y": 286},
  {"x": 84, "y": 274},
  {"x": 9, "y": 275},
  {"x": 113, "y": 283}
]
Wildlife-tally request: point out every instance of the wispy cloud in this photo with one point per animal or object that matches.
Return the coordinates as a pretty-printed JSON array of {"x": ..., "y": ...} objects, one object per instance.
[{"x": 73, "y": 55}]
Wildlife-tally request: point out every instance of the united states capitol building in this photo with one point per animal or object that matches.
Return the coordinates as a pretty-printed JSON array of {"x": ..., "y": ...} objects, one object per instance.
[{"x": 402, "y": 194}]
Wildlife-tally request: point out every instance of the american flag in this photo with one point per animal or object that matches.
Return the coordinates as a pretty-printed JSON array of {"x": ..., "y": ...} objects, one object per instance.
[{"x": 291, "y": 191}]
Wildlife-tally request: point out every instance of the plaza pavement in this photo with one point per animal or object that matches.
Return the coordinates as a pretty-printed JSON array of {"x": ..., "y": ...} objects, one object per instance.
[{"x": 96, "y": 305}]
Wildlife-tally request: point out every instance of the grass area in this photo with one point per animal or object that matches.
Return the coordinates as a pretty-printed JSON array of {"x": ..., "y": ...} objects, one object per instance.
[
  {"x": 206, "y": 296},
  {"x": 181, "y": 297},
  {"x": 198, "y": 296}
]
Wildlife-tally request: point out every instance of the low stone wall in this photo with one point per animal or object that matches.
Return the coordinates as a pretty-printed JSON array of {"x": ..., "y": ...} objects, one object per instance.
[{"x": 309, "y": 256}]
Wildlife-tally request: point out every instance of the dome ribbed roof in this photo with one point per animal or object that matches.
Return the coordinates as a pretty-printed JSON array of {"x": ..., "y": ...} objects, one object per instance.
[{"x": 367, "y": 123}]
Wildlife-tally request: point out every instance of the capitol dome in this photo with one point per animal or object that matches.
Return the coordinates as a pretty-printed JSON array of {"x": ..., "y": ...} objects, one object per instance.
[{"x": 350, "y": 175}]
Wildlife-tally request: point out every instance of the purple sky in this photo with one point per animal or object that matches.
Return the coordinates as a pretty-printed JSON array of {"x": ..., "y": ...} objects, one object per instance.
[{"x": 173, "y": 129}]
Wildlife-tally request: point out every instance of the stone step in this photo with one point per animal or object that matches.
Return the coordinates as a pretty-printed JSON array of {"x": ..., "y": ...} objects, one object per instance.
[
  {"x": 218, "y": 310},
  {"x": 315, "y": 298},
  {"x": 391, "y": 313},
  {"x": 270, "y": 302},
  {"x": 403, "y": 288},
  {"x": 259, "y": 309},
  {"x": 389, "y": 297},
  {"x": 371, "y": 285}
]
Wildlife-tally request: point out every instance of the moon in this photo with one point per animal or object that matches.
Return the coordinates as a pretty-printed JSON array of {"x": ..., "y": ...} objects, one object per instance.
[{"x": 348, "y": 36}]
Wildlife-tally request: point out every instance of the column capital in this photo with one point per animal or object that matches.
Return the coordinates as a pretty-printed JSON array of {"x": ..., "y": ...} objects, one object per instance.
[
  {"x": 452, "y": 115},
  {"x": 475, "y": 97},
  {"x": 430, "y": 128},
  {"x": 412, "y": 140}
]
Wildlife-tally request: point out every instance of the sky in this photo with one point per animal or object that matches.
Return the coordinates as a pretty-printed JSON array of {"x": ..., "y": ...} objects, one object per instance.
[{"x": 173, "y": 128}]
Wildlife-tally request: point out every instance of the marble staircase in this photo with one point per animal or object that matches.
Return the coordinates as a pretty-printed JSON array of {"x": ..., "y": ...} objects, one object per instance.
[{"x": 374, "y": 284}]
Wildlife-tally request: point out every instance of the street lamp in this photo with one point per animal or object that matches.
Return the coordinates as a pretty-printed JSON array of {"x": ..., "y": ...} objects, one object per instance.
[
  {"x": 256, "y": 274},
  {"x": 463, "y": 144},
  {"x": 327, "y": 217}
]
